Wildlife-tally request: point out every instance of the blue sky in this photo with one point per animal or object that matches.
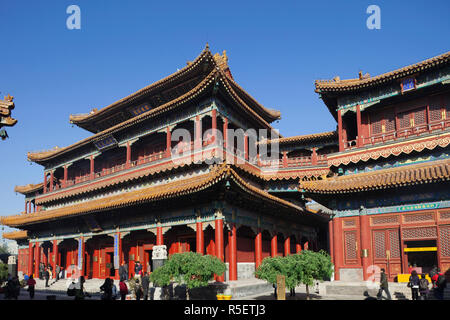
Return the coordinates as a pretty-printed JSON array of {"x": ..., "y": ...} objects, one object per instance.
[{"x": 276, "y": 50}]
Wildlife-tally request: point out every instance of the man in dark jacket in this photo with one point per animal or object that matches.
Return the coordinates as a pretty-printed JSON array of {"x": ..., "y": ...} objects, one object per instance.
[
  {"x": 145, "y": 284},
  {"x": 383, "y": 286},
  {"x": 46, "y": 276}
]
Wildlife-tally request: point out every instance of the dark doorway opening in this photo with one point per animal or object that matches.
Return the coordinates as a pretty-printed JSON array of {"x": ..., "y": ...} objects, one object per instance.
[{"x": 421, "y": 254}]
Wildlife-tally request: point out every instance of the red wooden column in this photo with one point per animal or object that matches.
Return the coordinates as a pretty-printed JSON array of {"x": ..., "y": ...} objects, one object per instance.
[
  {"x": 26, "y": 206},
  {"x": 37, "y": 254},
  {"x": 287, "y": 246},
  {"x": 30, "y": 258},
  {"x": 51, "y": 181},
  {"x": 359, "y": 141},
  {"x": 258, "y": 249},
  {"x": 92, "y": 167},
  {"x": 219, "y": 241},
  {"x": 340, "y": 131},
  {"x": 330, "y": 239},
  {"x": 338, "y": 247},
  {"x": 365, "y": 243},
  {"x": 274, "y": 246},
  {"x": 246, "y": 147},
  {"x": 225, "y": 132},
  {"x": 128, "y": 159},
  {"x": 159, "y": 235},
  {"x": 232, "y": 253},
  {"x": 298, "y": 245},
  {"x": 45, "y": 182},
  {"x": 314, "y": 156},
  {"x": 285, "y": 159},
  {"x": 168, "y": 142},
  {"x": 200, "y": 243},
  {"x": 64, "y": 183},
  {"x": 55, "y": 256},
  {"x": 198, "y": 133},
  {"x": 214, "y": 125}
]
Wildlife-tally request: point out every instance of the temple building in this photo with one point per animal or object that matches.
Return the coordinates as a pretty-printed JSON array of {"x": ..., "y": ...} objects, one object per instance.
[
  {"x": 388, "y": 187},
  {"x": 176, "y": 163},
  {"x": 192, "y": 162}
]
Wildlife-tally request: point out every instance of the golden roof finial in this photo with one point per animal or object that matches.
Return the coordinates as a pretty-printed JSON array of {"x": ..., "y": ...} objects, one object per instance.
[{"x": 9, "y": 98}]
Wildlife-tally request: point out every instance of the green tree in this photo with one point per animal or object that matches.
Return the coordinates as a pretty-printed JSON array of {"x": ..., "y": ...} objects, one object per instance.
[
  {"x": 192, "y": 269},
  {"x": 309, "y": 266},
  {"x": 4, "y": 249},
  {"x": 297, "y": 268},
  {"x": 3, "y": 273}
]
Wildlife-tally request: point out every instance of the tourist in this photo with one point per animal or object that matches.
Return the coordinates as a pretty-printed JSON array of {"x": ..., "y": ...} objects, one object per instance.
[
  {"x": 57, "y": 270},
  {"x": 414, "y": 285},
  {"x": 149, "y": 268},
  {"x": 122, "y": 271},
  {"x": 41, "y": 270},
  {"x": 106, "y": 287},
  {"x": 383, "y": 286},
  {"x": 123, "y": 289},
  {"x": 138, "y": 290},
  {"x": 439, "y": 284},
  {"x": 114, "y": 290},
  {"x": 145, "y": 285},
  {"x": 423, "y": 287},
  {"x": 46, "y": 276},
  {"x": 137, "y": 269},
  {"x": 31, "y": 284},
  {"x": 79, "y": 290}
]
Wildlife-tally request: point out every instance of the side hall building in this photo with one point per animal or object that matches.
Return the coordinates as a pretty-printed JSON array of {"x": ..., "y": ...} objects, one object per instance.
[{"x": 192, "y": 162}]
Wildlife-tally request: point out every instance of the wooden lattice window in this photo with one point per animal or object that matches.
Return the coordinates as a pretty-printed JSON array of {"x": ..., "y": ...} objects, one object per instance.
[
  {"x": 419, "y": 233},
  {"x": 444, "y": 239},
  {"x": 384, "y": 220},
  {"x": 390, "y": 121},
  {"x": 418, "y": 217},
  {"x": 350, "y": 246},
  {"x": 404, "y": 120},
  {"x": 435, "y": 113},
  {"x": 394, "y": 243},
  {"x": 420, "y": 116},
  {"x": 379, "y": 244},
  {"x": 376, "y": 123}
]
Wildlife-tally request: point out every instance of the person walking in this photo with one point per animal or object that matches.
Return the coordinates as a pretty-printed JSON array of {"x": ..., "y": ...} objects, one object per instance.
[
  {"x": 138, "y": 290},
  {"x": 106, "y": 287},
  {"x": 31, "y": 284},
  {"x": 383, "y": 286},
  {"x": 145, "y": 285},
  {"x": 123, "y": 289},
  {"x": 423, "y": 287},
  {"x": 414, "y": 285},
  {"x": 46, "y": 277}
]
